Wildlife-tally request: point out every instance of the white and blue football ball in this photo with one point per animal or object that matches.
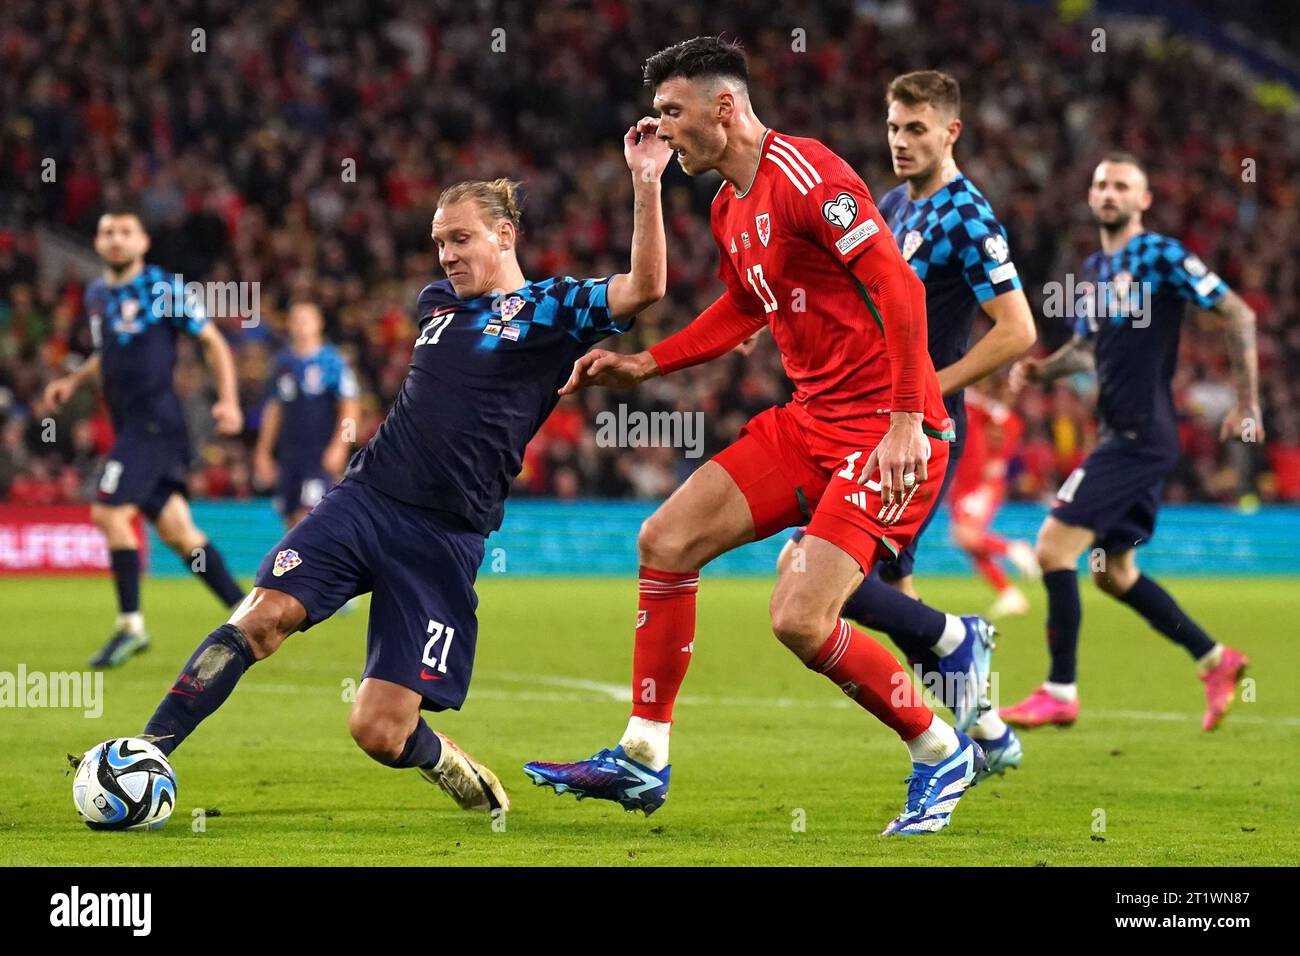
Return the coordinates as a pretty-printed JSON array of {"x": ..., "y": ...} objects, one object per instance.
[{"x": 124, "y": 784}]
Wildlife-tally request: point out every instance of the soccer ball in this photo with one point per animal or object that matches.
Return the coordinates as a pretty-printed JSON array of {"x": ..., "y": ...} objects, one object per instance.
[{"x": 124, "y": 784}]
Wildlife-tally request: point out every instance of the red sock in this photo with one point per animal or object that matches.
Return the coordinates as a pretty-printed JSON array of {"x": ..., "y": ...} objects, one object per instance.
[
  {"x": 665, "y": 637},
  {"x": 991, "y": 570},
  {"x": 870, "y": 675}
]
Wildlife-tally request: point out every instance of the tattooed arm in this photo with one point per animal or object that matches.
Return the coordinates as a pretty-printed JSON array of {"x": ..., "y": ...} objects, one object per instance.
[
  {"x": 1243, "y": 419},
  {"x": 1075, "y": 355}
]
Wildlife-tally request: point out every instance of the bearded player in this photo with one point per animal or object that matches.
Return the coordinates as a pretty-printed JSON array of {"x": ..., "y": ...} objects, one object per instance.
[
  {"x": 137, "y": 313},
  {"x": 857, "y": 455},
  {"x": 409, "y": 520},
  {"x": 1134, "y": 296}
]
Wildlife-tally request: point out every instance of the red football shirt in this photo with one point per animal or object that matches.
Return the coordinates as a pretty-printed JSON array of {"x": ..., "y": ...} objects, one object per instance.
[{"x": 788, "y": 248}]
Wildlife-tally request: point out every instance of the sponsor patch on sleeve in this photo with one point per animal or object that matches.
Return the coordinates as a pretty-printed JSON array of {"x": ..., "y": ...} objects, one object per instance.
[
  {"x": 1207, "y": 285},
  {"x": 1002, "y": 273},
  {"x": 851, "y": 240}
]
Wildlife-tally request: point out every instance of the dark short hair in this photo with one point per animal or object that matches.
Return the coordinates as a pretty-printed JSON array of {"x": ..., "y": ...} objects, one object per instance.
[
  {"x": 696, "y": 58},
  {"x": 940, "y": 90},
  {"x": 123, "y": 207},
  {"x": 1123, "y": 156}
]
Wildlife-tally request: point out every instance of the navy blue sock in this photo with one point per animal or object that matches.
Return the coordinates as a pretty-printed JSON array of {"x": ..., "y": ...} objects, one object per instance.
[
  {"x": 212, "y": 571},
  {"x": 126, "y": 578},
  {"x": 913, "y": 626},
  {"x": 1163, "y": 613},
  {"x": 1063, "y": 616},
  {"x": 202, "y": 686},
  {"x": 423, "y": 748}
]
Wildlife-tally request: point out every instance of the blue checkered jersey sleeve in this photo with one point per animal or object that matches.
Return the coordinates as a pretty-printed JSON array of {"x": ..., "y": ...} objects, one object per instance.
[
  {"x": 339, "y": 378},
  {"x": 1184, "y": 272},
  {"x": 185, "y": 308},
  {"x": 980, "y": 244},
  {"x": 580, "y": 307}
]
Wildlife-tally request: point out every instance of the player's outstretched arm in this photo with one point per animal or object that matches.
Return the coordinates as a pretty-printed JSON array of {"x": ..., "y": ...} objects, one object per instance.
[
  {"x": 900, "y": 299},
  {"x": 226, "y": 412},
  {"x": 717, "y": 330},
  {"x": 59, "y": 390},
  {"x": 647, "y": 281},
  {"x": 1243, "y": 419},
  {"x": 1010, "y": 337}
]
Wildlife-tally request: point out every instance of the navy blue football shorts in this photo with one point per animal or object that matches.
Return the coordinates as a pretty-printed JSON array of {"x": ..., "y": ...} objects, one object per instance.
[
  {"x": 1116, "y": 493},
  {"x": 144, "y": 470},
  {"x": 420, "y": 570}
]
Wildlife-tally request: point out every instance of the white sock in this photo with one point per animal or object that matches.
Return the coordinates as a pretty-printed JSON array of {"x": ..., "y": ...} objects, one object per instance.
[
  {"x": 1066, "y": 693},
  {"x": 132, "y": 623},
  {"x": 954, "y": 632},
  {"x": 1212, "y": 659},
  {"x": 646, "y": 741},
  {"x": 989, "y": 726},
  {"x": 934, "y": 745}
]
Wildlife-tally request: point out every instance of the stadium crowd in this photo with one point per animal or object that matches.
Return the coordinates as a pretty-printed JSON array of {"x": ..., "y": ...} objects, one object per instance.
[{"x": 303, "y": 148}]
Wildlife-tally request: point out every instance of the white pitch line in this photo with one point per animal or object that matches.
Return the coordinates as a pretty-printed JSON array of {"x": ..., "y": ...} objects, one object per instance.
[{"x": 587, "y": 691}]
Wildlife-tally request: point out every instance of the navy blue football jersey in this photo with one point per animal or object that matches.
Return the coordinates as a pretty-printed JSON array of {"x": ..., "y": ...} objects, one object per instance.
[
  {"x": 1131, "y": 304},
  {"x": 134, "y": 327},
  {"x": 958, "y": 248},
  {"x": 483, "y": 377},
  {"x": 308, "y": 389}
]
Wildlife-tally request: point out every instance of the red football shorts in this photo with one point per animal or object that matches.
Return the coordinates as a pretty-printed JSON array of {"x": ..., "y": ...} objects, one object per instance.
[{"x": 794, "y": 470}]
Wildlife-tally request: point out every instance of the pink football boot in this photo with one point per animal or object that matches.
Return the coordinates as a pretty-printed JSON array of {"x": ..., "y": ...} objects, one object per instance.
[
  {"x": 1040, "y": 708},
  {"x": 1221, "y": 686}
]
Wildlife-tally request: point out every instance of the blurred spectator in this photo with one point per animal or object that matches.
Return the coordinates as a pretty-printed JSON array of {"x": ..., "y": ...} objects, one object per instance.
[{"x": 304, "y": 150}]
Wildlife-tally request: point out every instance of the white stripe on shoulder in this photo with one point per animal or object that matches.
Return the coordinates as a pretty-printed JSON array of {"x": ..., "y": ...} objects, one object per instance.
[
  {"x": 803, "y": 190},
  {"x": 798, "y": 156},
  {"x": 778, "y": 151}
]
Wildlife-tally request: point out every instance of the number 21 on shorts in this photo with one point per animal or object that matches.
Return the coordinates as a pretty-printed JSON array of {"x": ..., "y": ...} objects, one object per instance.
[{"x": 438, "y": 632}]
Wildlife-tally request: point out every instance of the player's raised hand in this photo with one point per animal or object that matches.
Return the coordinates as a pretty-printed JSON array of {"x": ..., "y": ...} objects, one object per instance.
[
  {"x": 1024, "y": 372},
  {"x": 1242, "y": 422},
  {"x": 645, "y": 152},
  {"x": 611, "y": 369},
  {"x": 228, "y": 418},
  {"x": 900, "y": 457}
]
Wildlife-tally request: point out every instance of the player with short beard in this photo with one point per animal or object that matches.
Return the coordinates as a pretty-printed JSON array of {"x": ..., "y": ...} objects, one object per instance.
[{"x": 1133, "y": 299}]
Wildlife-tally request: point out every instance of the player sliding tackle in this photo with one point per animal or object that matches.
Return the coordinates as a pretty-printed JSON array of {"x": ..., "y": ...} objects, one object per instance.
[
  {"x": 1138, "y": 288},
  {"x": 409, "y": 520},
  {"x": 804, "y": 252}
]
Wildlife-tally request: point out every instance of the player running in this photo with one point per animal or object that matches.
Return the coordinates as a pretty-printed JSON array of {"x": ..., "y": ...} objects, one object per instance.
[
  {"x": 137, "y": 312},
  {"x": 948, "y": 233},
  {"x": 1133, "y": 299},
  {"x": 409, "y": 519},
  {"x": 804, "y": 252},
  {"x": 993, "y": 431},
  {"x": 302, "y": 445}
]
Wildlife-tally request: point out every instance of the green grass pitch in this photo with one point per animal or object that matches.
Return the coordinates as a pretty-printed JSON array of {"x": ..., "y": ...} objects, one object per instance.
[{"x": 771, "y": 764}]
